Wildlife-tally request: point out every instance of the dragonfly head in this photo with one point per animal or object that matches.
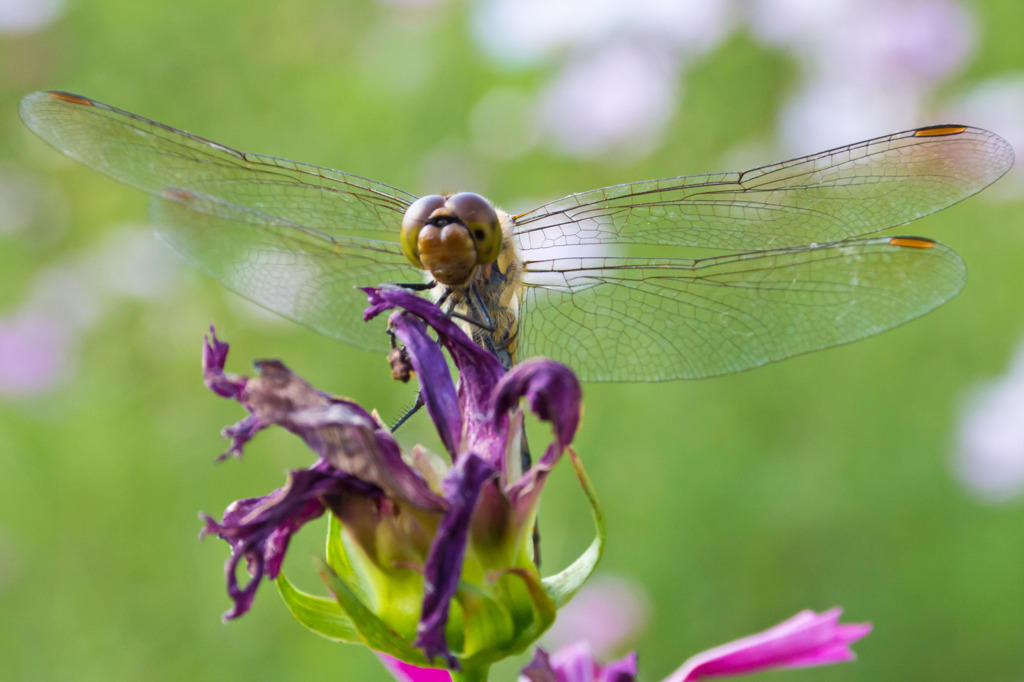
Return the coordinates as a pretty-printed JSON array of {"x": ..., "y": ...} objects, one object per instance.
[{"x": 449, "y": 236}]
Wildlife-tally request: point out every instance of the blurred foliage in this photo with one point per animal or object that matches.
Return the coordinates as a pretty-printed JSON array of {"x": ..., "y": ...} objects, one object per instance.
[{"x": 735, "y": 502}]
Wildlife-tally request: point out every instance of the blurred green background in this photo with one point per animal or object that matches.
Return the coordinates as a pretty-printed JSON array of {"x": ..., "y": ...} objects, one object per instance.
[{"x": 733, "y": 503}]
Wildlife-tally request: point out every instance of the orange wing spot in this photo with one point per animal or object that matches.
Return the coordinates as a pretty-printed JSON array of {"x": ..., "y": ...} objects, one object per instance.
[
  {"x": 912, "y": 242},
  {"x": 68, "y": 97},
  {"x": 939, "y": 131}
]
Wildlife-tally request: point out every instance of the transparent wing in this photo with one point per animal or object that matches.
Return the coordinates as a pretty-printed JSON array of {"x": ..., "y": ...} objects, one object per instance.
[
  {"x": 292, "y": 237},
  {"x": 154, "y": 157},
  {"x": 838, "y": 194},
  {"x": 631, "y": 319},
  {"x": 295, "y": 271}
]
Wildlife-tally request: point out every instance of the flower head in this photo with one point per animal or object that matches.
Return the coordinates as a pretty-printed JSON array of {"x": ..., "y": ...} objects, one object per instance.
[{"x": 426, "y": 558}]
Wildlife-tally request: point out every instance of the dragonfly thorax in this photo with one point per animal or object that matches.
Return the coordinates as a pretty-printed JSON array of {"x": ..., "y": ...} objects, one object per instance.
[{"x": 450, "y": 236}]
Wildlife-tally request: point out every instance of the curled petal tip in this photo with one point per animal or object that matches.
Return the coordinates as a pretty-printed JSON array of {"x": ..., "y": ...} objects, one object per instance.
[
  {"x": 215, "y": 354},
  {"x": 552, "y": 391}
]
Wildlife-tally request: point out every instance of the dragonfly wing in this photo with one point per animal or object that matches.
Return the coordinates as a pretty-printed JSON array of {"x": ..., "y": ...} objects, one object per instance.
[
  {"x": 830, "y": 196},
  {"x": 296, "y": 271},
  {"x": 154, "y": 157},
  {"x": 638, "y": 319}
]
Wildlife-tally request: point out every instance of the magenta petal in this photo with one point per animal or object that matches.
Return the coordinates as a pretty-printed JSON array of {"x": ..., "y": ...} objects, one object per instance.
[
  {"x": 806, "y": 639},
  {"x": 407, "y": 672},
  {"x": 443, "y": 568}
]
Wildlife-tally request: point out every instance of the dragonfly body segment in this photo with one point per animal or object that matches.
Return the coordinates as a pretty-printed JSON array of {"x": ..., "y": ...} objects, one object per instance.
[{"x": 801, "y": 268}]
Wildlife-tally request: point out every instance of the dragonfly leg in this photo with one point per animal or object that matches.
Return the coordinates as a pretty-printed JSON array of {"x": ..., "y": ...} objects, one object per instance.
[
  {"x": 401, "y": 370},
  {"x": 415, "y": 286},
  {"x": 488, "y": 323},
  {"x": 476, "y": 313},
  {"x": 444, "y": 298},
  {"x": 410, "y": 412}
]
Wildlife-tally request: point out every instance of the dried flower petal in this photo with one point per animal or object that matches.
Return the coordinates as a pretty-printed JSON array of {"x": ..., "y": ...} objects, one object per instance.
[{"x": 462, "y": 487}]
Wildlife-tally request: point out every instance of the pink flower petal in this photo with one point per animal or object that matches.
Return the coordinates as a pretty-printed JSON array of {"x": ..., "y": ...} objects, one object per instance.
[
  {"x": 806, "y": 639},
  {"x": 407, "y": 672}
]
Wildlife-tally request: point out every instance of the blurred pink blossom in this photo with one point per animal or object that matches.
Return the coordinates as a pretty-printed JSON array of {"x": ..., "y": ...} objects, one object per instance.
[
  {"x": 607, "y": 613},
  {"x": 620, "y": 97},
  {"x": 34, "y": 353},
  {"x": 996, "y": 104},
  {"x": 619, "y": 64},
  {"x": 25, "y": 16},
  {"x": 989, "y": 456},
  {"x": 870, "y": 66},
  {"x": 537, "y": 30}
]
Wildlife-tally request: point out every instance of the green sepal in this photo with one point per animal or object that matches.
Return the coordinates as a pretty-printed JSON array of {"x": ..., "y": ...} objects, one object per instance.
[
  {"x": 338, "y": 560},
  {"x": 484, "y": 625},
  {"x": 371, "y": 630},
  {"x": 563, "y": 586},
  {"x": 544, "y": 608},
  {"x": 322, "y": 616}
]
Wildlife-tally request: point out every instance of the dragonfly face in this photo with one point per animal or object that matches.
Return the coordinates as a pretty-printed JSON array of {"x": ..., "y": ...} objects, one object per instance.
[
  {"x": 450, "y": 236},
  {"x": 801, "y": 269}
]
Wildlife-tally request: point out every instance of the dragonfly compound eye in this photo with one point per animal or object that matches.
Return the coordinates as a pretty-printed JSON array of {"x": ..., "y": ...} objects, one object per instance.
[
  {"x": 480, "y": 218},
  {"x": 450, "y": 236},
  {"x": 416, "y": 216}
]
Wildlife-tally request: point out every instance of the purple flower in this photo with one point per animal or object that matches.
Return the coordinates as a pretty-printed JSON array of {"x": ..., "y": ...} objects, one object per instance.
[
  {"x": 806, "y": 639},
  {"x": 449, "y": 541}
]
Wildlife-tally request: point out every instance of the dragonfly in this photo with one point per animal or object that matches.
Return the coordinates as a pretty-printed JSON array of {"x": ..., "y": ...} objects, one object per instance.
[{"x": 600, "y": 280}]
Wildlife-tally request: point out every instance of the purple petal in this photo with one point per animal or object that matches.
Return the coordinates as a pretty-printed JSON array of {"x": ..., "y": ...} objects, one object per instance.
[
  {"x": 403, "y": 482},
  {"x": 215, "y": 354},
  {"x": 407, "y": 672},
  {"x": 479, "y": 370},
  {"x": 805, "y": 639},
  {"x": 576, "y": 663},
  {"x": 551, "y": 390},
  {"x": 260, "y": 528},
  {"x": 240, "y": 433},
  {"x": 339, "y": 431},
  {"x": 443, "y": 567},
  {"x": 436, "y": 387},
  {"x": 554, "y": 394}
]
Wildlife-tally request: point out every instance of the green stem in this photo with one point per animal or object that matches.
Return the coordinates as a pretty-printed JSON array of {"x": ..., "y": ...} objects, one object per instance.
[{"x": 468, "y": 674}]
